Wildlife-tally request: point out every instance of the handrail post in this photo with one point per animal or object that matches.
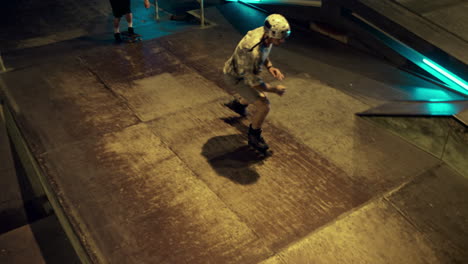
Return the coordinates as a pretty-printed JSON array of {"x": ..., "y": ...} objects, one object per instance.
[
  {"x": 157, "y": 9},
  {"x": 202, "y": 13},
  {"x": 2, "y": 66}
]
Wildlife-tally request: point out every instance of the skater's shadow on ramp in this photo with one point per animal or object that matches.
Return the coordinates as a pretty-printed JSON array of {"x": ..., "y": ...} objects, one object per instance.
[{"x": 231, "y": 158}]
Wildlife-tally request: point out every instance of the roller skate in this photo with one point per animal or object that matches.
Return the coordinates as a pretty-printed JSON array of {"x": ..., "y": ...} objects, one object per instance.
[
  {"x": 257, "y": 142},
  {"x": 130, "y": 36}
]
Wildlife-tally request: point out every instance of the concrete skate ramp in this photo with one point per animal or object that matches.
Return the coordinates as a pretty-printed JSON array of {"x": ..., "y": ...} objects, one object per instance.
[
  {"x": 428, "y": 23},
  {"x": 448, "y": 14},
  {"x": 144, "y": 164},
  {"x": 35, "y": 23},
  {"x": 141, "y": 191},
  {"x": 26, "y": 24}
]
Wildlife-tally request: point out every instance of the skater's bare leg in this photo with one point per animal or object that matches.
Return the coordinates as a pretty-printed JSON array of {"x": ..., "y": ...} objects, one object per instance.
[
  {"x": 116, "y": 24},
  {"x": 117, "y": 37},
  {"x": 262, "y": 108},
  {"x": 129, "y": 18}
]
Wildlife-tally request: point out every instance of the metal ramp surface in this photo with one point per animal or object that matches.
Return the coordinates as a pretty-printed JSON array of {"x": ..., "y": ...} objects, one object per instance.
[
  {"x": 435, "y": 109},
  {"x": 143, "y": 164}
]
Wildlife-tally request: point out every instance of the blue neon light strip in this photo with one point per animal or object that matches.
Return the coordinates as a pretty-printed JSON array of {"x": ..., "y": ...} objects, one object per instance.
[
  {"x": 446, "y": 74},
  {"x": 451, "y": 80}
]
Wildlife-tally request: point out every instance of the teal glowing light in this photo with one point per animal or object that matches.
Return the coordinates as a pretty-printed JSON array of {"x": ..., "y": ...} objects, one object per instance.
[
  {"x": 451, "y": 80},
  {"x": 441, "y": 109},
  {"x": 447, "y": 74},
  {"x": 245, "y": 1},
  {"x": 430, "y": 94}
]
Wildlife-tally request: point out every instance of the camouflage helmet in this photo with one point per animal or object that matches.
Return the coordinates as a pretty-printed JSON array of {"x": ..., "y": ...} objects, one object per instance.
[{"x": 276, "y": 26}]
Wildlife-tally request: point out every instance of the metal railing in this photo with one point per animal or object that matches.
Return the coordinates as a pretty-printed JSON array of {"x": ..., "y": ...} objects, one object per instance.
[
  {"x": 157, "y": 9},
  {"x": 2, "y": 66},
  {"x": 202, "y": 11}
]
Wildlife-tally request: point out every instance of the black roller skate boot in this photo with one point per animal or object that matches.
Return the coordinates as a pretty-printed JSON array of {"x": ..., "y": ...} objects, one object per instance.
[
  {"x": 117, "y": 37},
  {"x": 131, "y": 31},
  {"x": 131, "y": 35},
  {"x": 237, "y": 107},
  {"x": 257, "y": 142}
]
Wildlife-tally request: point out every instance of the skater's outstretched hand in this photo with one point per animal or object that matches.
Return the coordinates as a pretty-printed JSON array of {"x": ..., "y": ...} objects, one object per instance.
[
  {"x": 280, "y": 89},
  {"x": 147, "y": 4},
  {"x": 276, "y": 73}
]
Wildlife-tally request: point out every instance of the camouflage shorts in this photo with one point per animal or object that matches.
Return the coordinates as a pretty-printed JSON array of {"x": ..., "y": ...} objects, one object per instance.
[{"x": 237, "y": 87}]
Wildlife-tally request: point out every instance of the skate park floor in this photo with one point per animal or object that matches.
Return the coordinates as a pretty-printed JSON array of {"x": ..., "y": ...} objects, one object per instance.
[{"x": 150, "y": 167}]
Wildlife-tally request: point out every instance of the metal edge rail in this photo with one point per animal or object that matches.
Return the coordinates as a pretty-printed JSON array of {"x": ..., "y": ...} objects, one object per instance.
[
  {"x": 39, "y": 182},
  {"x": 316, "y": 3}
]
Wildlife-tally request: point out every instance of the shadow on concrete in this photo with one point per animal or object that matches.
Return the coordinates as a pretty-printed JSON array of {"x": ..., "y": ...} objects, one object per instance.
[
  {"x": 237, "y": 163},
  {"x": 48, "y": 233},
  {"x": 28, "y": 209}
]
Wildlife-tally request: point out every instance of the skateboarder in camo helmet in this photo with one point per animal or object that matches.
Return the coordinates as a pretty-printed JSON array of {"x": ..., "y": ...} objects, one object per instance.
[
  {"x": 120, "y": 8},
  {"x": 242, "y": 74}
]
